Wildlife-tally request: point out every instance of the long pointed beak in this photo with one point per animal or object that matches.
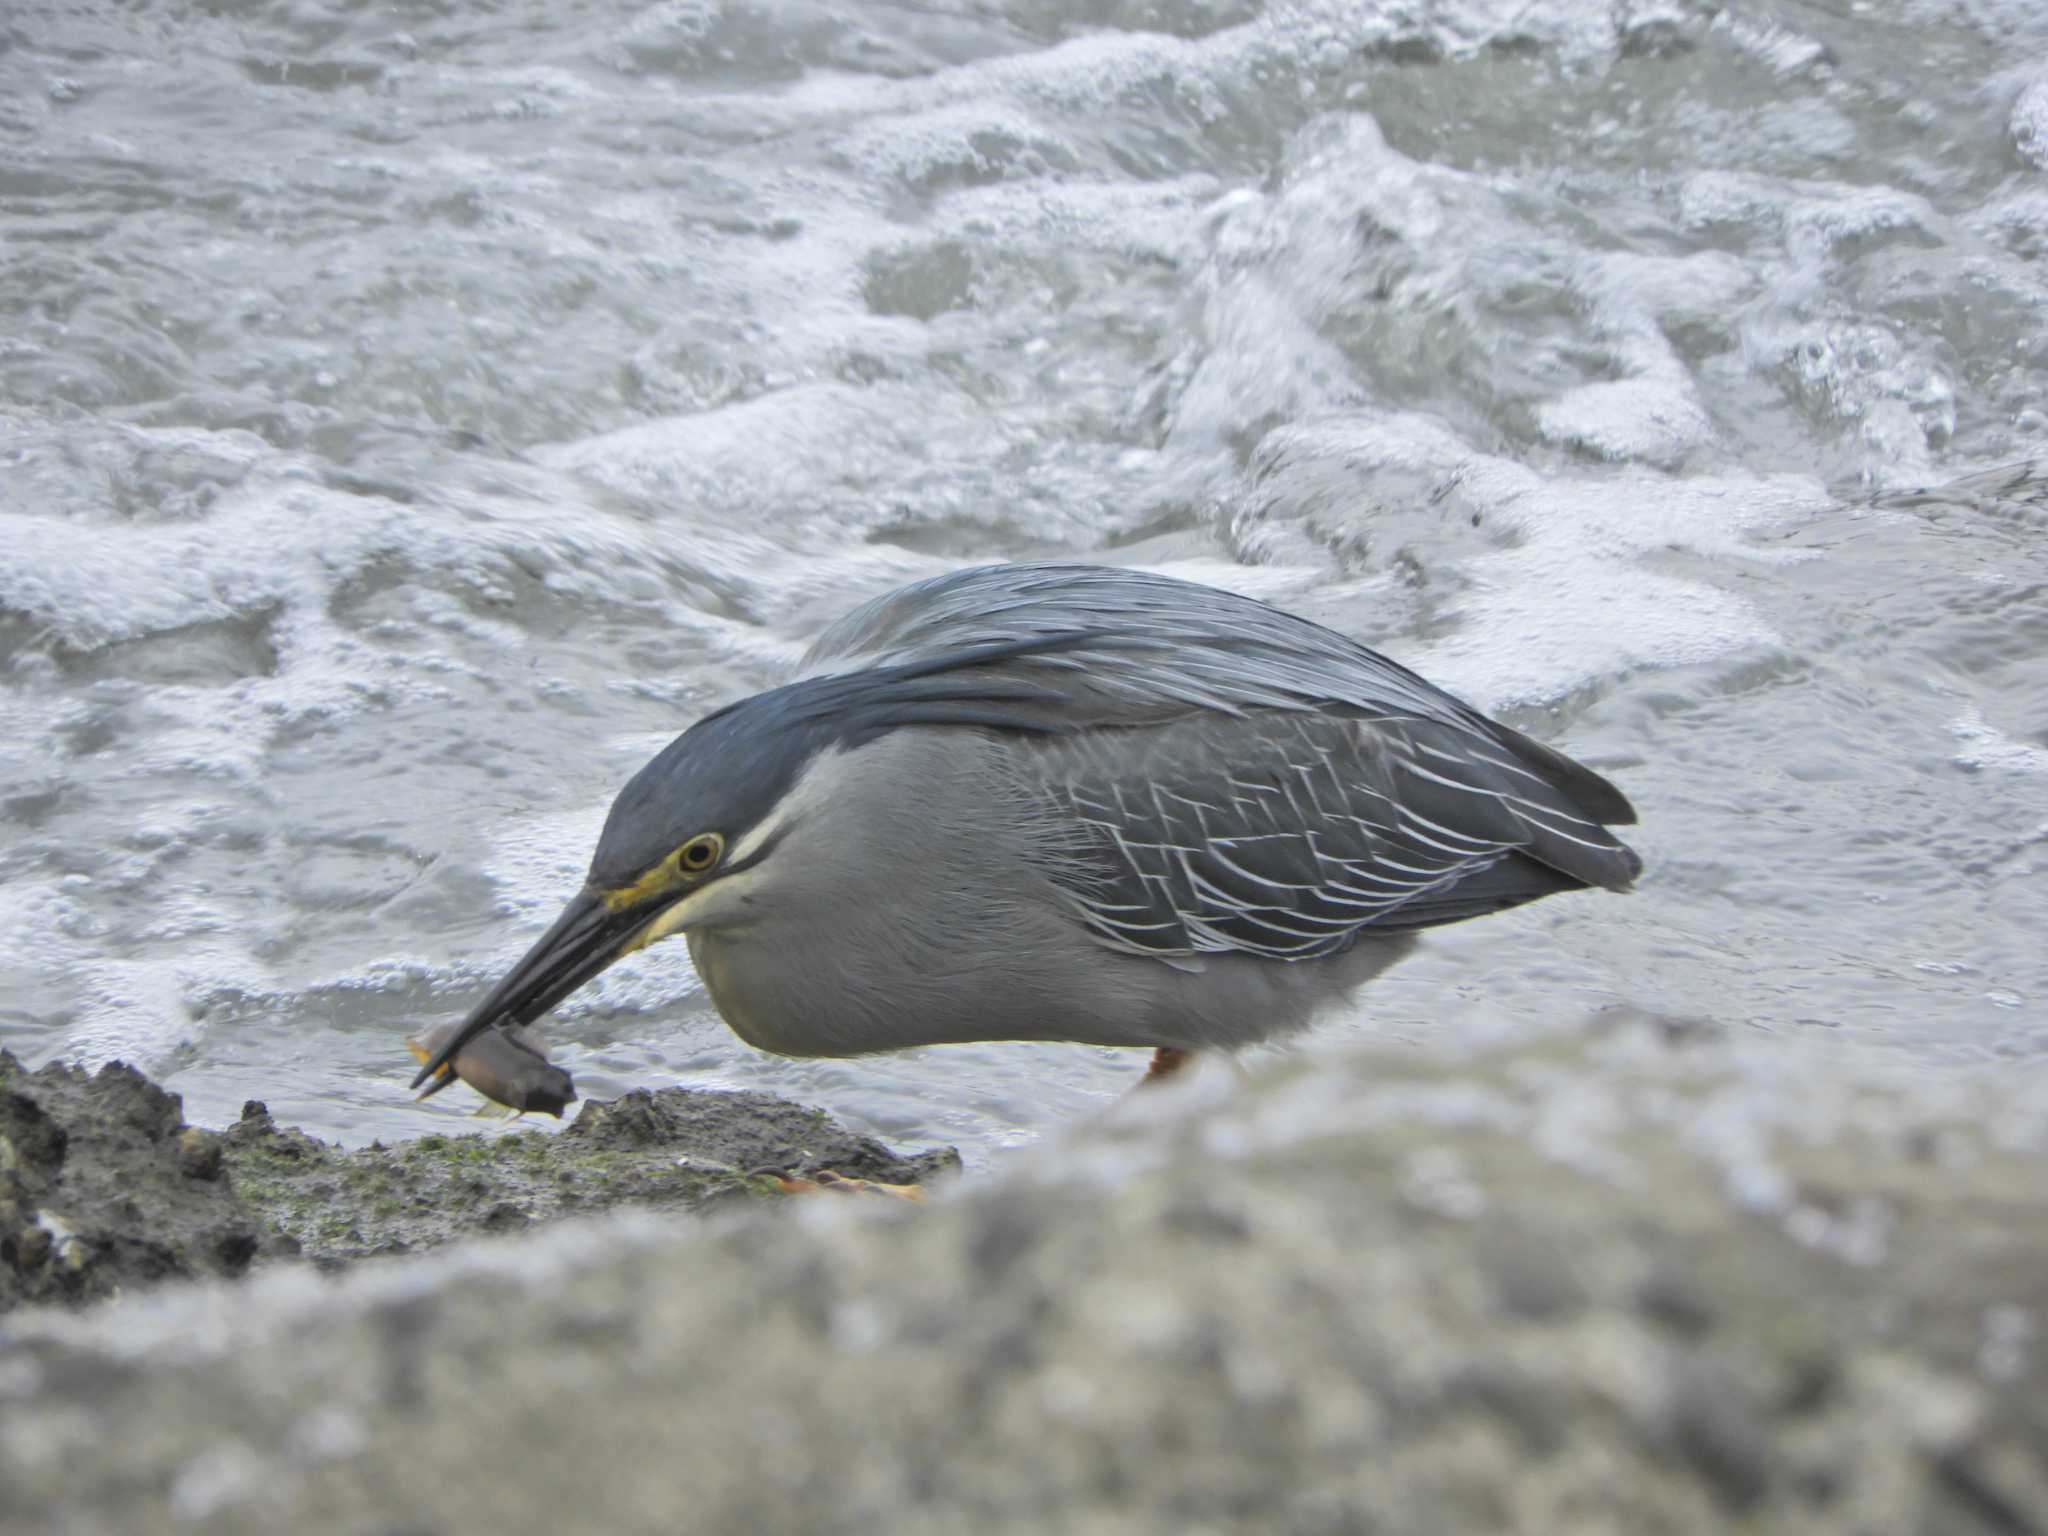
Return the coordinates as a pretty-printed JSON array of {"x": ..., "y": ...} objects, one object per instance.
[{"x": 586, "y": 938}]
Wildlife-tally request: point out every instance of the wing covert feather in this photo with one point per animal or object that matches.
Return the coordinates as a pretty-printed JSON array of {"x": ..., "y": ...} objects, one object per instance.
[{"x": 1245, "y": 780}]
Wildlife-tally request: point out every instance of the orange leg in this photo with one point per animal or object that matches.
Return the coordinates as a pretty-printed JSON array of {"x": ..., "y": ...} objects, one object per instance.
[{"x": 1167, "y": 1061}]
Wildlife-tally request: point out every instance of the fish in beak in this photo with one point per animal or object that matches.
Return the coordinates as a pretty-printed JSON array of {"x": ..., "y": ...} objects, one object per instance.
[
  {"x": 585, "y": 939},
  {"x": 509, "y": 1065}
]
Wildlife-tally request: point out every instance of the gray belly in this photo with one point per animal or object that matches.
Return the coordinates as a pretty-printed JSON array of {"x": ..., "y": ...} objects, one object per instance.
[
  {"x": 779, "y": 998},
  {"x": 827, "y": 993}
]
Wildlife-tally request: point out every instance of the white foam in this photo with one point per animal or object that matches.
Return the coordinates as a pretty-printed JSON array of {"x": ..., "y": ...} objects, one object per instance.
[
  {"x": 813, "y": 328},
  {"x": 1546, "y": 582},
  {"x": 2030, "y": 122},
  {"x": 1577, "y": 597},
  {"x": 1983, "y": 745}
]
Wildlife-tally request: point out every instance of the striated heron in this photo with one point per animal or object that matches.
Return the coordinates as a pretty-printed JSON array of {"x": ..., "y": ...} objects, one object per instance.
[{"x": 1066, "y": 802}]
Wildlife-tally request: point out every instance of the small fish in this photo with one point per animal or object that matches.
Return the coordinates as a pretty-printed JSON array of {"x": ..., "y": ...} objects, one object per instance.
[{"x": 507, "y": 1066}]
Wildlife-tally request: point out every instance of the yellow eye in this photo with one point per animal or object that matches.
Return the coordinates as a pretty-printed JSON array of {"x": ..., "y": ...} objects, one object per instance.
[{"x": 699, "y": 853}]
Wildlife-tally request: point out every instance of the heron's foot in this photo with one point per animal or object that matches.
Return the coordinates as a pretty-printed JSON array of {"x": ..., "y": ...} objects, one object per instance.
[
  {"x": 824, "y": 1181},
  {"x": 1168, "y": 1062}
]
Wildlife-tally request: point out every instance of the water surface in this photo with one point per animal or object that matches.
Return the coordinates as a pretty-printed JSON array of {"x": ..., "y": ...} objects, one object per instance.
[{"x": 413, "y": 415}]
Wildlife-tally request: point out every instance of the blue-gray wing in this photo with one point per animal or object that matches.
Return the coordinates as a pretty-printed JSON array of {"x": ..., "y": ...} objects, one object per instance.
[
  {"x": 1237, "y": 778},
  {"x": 1129, "y": 643},
  {"x": 1286, "y": 836}
]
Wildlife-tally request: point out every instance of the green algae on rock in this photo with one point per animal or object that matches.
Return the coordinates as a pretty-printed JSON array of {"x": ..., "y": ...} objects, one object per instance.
[
  {"x": 667, "y": 1148},
  {"x": 104, "y": 1188}
]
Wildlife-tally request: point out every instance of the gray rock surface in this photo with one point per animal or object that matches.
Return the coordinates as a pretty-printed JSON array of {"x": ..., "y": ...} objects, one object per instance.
[
  {"x": 105, "y": 1190},
  {"x": 667, "y": 1148},
  {"x": 1606, "y": 1285},
  {"x": 103, "y": 1184}
]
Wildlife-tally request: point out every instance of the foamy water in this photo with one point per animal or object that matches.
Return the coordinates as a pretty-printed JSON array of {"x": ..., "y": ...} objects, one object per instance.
[{"x": 410, "y": 420}]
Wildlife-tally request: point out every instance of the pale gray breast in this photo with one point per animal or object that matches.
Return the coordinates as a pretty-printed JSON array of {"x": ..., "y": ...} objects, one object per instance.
[{"x": 910, "y": 905}]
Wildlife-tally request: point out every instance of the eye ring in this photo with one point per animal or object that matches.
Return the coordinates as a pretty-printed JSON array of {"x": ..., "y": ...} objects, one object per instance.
[{"x": 701, "y": 852}]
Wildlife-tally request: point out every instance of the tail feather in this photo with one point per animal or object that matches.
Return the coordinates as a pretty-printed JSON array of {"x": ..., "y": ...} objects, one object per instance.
[{"x": 1585, "y": 789}]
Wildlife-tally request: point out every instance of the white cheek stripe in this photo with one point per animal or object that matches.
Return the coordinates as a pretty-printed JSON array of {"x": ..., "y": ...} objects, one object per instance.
[
  {"x": 750, "y": 845},
  {"x": 807, "y": 791}
]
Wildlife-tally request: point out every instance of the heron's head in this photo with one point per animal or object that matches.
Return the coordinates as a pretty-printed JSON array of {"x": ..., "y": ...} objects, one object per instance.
[
  {"x": 694, "y": 837},
  {"x": 683, "y": 844}
]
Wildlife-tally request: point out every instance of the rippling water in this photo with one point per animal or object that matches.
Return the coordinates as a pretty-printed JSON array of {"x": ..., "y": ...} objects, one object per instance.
[{"x": 411, "y": 415}]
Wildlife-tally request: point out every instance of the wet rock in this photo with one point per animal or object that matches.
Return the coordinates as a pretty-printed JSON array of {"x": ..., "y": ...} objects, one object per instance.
[
  {"x": 506, "y": 1217},
  {"x": 199, "y": 1153},
  {"x": 745, "y": 1131},
  {"x": 670, "y": 1148},
  {"x": 104, "y": 1188},
  {"x": 257, "y": 1131}
]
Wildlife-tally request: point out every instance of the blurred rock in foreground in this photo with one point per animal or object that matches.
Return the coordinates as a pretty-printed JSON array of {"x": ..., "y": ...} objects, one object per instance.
[{"x": 1610, "y": 1285}]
